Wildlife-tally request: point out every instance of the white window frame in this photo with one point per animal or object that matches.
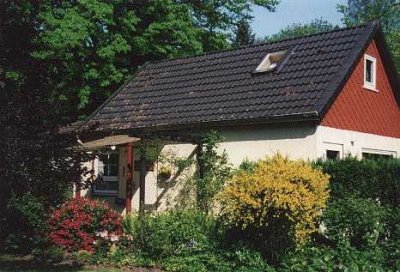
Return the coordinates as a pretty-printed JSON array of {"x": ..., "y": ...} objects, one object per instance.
[
  {"x": 334, "y": 147},
  {"x": 379, "y": 152},
  {"x": 370, "y": 85},
  {"x": 266, "y": 64},
  {"x": 107, "y": 178}
]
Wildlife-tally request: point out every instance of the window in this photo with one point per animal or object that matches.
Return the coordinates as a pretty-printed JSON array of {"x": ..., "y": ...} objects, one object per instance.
[
  {"x": 332, "y": 151},
  {"x": 373, "y": 156},
  {"x": 270, "y": 62},
  {"x": 370, "y": 72},
  {"x": 376, "y": 154},
  {"x": 107, "y": 182},
  {"x": 332, "y": 155}
]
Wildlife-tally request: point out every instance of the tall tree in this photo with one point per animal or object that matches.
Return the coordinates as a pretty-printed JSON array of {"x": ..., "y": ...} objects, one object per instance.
[
  {"x": 297, "y": 30},
  {"x": 243, "y": 34},
  {"x": 90, "y": 47},
  {"x": 37, "y": 162},
  {"x": 387, "y": 11}
]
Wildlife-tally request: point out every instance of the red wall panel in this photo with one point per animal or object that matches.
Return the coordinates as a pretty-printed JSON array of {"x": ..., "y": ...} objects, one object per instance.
[{"x": 363, "y": 110}]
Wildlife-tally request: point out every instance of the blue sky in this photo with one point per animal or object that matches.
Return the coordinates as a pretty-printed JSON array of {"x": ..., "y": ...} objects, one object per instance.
[{"x": 294, "y": 11}]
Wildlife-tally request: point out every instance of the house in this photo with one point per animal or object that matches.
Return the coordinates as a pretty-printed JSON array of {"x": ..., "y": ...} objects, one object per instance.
[{"x": 318, "y": 96}]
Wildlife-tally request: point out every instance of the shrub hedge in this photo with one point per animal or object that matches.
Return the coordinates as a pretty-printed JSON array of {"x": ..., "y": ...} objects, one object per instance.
[
  {"x": 275, "y": 204},
  {"x": 374, "y": 179},
  {"x": 77, "y": 224},
  {"x": 364, "y": 206}
]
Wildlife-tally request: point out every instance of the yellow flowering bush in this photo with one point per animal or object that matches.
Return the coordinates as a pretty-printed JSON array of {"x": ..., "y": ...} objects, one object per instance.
[{"x": 277, "y": 191}]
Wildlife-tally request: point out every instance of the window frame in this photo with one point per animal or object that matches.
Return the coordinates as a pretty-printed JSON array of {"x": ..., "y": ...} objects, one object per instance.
[
  {"x": 338, "y": 156},
  {"x": 332, "y": 146},
  {"x": 107, "y": 178},
  {"x": 378, "y": 152},
  {"x": 267, "y": 61},
  {"x": 370, "y": 85}
]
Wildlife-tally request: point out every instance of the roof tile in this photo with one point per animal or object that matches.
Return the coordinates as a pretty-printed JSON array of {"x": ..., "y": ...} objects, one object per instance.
[{"x": 221, "y": 86}]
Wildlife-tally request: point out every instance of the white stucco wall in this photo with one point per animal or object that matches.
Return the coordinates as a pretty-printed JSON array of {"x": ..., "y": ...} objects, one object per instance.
[
  {"x": 305, "y": 141},
  {"x": 354, "y": 143},
  {"x": 253, "y": 143},
  {"x": 294, "y": 140}
]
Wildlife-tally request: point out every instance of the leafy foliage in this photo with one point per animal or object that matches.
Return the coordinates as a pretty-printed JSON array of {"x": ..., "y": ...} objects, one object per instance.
[
  {"x": 243, "y": 34},
  {"x": 170, "y": 233},
  {"x": 187, "y": 240},
  {"x": 214, "y": 170},
  {"x": 31, "y": 216},
  {"x": 243, "y": 260},
  {"x": 38, "y": 162},
  {"x": 344, "y": 258},
  {"x": 88, "y": 48},
  {"x": 297, "y": 30},
  {"x": 274, "y": 206},
  {"x": 358, "y": 222},
  {"x": 373, "y": 179},
  {"x": 278, "y": 189},
  {"x": 74, "y": 226},
  {"x": 363, "y": 210}
]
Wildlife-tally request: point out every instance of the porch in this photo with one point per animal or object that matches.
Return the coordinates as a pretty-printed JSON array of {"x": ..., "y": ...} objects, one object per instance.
[{"x": 130, "y": 172}]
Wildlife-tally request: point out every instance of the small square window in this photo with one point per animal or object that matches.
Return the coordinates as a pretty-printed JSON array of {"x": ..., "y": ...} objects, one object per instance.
[
  {"x": 369, "y": 72},
  {"x": 332, "y": 155}
]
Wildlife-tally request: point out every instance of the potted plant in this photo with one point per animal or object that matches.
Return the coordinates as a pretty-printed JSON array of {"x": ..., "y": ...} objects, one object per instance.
[{"x": 164, "y": 173}]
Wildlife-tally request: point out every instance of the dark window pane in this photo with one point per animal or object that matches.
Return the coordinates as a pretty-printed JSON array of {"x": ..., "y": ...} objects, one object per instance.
[
  {"x": 368, "y": 71},
  {"x": 373, "y": 156},
  {"x": 108, "y": 173},
  {"x": 332, "y": 155}
]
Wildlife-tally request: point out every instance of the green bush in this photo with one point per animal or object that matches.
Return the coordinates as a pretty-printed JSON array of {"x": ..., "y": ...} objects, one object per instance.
[
  {"x": 30, "y": 216},
  {"x": 364, "y": 208},
  {"x": 356, "y": 221},
  {"x": 50, "y": 255},
  {"x": 241, "y": 260},
  {"x": 275, "y": 204},
  {"x": 374, "y": 179},
  {"x": 391, "y": 244},
  {"x": 170, "y": 233},
  {"x": 326, "y": 259}
]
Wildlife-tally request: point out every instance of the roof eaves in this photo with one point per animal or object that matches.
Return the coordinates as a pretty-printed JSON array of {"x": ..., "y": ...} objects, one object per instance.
[{"x": 284, "y": 118}]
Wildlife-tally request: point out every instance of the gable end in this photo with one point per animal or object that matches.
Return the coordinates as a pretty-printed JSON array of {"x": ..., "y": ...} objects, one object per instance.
[{"x": 360, "y": 109}]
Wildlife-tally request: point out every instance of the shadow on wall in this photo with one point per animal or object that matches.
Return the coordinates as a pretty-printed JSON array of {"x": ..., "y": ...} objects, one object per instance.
[
  {"x": 289, "y": 130},
  {"x": 168, "y": 187}
]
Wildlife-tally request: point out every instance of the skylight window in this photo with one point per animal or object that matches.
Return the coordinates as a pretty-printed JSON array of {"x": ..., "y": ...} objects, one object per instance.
[{"x": 270, "y": 62}]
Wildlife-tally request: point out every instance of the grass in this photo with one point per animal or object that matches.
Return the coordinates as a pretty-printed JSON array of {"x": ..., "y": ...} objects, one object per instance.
[{"x": 26, "y": 263}]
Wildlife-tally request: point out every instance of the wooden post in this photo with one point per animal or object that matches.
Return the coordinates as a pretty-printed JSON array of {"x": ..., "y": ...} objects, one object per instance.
[
  {"x": 129, "y": 177},
  {"x": 200, "y": 163},
  {"x": 142, "y": 178},
  {"x": 200, "y": 172}
]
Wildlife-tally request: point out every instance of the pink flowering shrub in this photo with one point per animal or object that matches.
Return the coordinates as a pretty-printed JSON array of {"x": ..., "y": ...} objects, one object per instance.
[{"x": 80, "y": 222}]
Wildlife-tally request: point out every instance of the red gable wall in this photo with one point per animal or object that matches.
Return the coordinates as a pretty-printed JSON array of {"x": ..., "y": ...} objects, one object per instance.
[{"x": 360, "y": 109}]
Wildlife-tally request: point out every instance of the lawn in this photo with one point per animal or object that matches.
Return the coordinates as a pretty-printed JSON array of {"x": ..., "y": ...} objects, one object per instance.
[{"x": 26, "y": 263}]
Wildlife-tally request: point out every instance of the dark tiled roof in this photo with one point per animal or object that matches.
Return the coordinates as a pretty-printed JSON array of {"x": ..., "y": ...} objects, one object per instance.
[{"x": 221, "y": 86}]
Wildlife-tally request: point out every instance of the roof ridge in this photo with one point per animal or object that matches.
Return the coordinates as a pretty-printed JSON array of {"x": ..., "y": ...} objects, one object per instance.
[{"x": 268, "y": 42}]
